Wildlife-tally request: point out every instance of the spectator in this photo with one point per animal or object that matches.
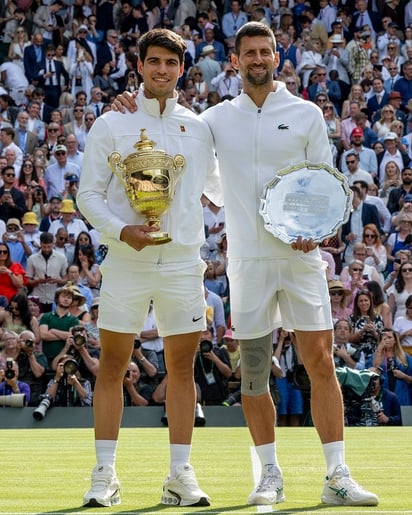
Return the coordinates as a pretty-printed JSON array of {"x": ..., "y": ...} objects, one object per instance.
[
  {"x": 375, "y": 250},
  {"x": 311, "y": 59},
  {"x": 345, "y": 354},
  {"x": 81, "y": 69},
  {"x": 96, "y": 104},
  {"x": 403, "y": 326},
  {"x": 78, "y": 346},
  {"x": 7, "y": 135},
  {"x": 32, "y": 365},
  {"x": 212, "y": 370},
  {"x": 54, "y": 206},
  {"x": 366, "y": 325},
  {"x": 55, "y": 325},
  {"x": 55, "y": 74},
  {"x": 46, "y": 271},
  {"x": 354, "y": 171},
  {"x": 12, "y": 275},
  {"x": 291, "y": 401},
  {"x": 397, "y": 239},
  {"x": 26, "y": 140},
  {"x": 217, "y": 316},
  {"x": 339, "y": 296},
  {"x": 209, "y": 66},
  {"x": 73, "y": 277},
  {"x": 78, "y": 307},
  {"x": 68, "y": 388},
  {"x": 212, "y": 283},
  {"x": 18, "y": 316},
  {"x": 103, "y": 80},
  {"x": 68, "y": 220},
  {"x": 396, "y": 366},
  {"x": 367, "y": 157},
  {"x": 14, "y": 238},
  {"x": 386, "y": 403},
  {"x": 352, "y": 229},
  {"x": 151, "y": 341},
  {"x": 380, "y": 307},
  {"x": 232, "y": 21},
  {"x": 404, "y": 84},
  {"x": 391, "y": 180},
  {"x": 359, "y": 254},
  {"x": 227, "y": 83},
  {"x": 400, "y": 290},
  {"x": 90, "y": 275},
  {"x": 131, "y": 387}
]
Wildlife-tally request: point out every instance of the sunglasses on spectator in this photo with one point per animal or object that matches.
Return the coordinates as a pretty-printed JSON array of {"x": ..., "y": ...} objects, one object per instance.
[
  {"x": 78, "y": 109},
  {"x": 27, "y": 165},
  {"x": 10, "y": 174},
  {"x": 334, "y": 293},
  {"x": 370, "y": 236},
  {"x": 62, "y": 238},
  {"x": 351, "y": 162},
  {"x": 60, "y": 153},
  {"x": 406, "y": 269},
  {"x": 357, "y": 269},
  {"x": 53, "y": 130},
  {"x": 4, "y": 251},
  {"x": 327, "y": 108},
  {"x": 89, "y": 119},
  {"x": 291, "y": 83}
]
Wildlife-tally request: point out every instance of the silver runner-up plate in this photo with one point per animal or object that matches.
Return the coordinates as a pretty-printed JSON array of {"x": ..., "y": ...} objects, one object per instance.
[{"x": 307, "y": 199}]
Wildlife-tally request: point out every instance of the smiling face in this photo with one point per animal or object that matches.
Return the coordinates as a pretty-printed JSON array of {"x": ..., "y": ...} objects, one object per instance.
[
  {"x": 160, "y": 70},
  {"x": 256, "y": 61}
]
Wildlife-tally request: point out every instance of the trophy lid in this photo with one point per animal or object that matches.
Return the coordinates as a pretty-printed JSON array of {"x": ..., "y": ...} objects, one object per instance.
[{"x": 144, "y": 144}]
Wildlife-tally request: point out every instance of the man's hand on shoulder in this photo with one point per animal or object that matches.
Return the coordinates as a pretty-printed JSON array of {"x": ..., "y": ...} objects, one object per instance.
[
  {"x": 125, "y": 102},
  {"x": 304, "y": 245},
  {"x": 137, "y": 236}
]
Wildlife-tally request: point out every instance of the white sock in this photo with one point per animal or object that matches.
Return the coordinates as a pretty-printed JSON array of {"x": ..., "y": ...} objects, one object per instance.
[
  {"x": 334, "y": 455},
  {"x": 179, "y": 455},
  {"x": 267, "y": 454},
  {"x": 106, "y": 452}
]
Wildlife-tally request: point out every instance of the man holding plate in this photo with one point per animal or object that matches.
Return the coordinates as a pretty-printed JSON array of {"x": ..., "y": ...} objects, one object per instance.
[{"x": 274, "y": 283}]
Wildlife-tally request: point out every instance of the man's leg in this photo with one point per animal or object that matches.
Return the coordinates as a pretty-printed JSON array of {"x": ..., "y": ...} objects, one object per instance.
[
  {"x": 108, "y": 409},
  {"x": 260, "y": 414},
  {"x": 315, "y": 349},
  {"x": 181, "y": 487}
]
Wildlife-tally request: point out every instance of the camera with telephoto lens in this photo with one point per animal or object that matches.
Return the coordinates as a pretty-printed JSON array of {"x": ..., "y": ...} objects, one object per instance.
[
  {"x": 70, "y": 367},
  {"x": 137, "y": 343},
  {"x": 40, "y": 412},
  {"x": 205, "y": 346},
  {"x": 9, "y": 372},
  {"x": 78, "y": 337}
]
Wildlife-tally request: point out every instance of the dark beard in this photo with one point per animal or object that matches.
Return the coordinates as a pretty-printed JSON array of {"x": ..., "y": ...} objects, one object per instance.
[{"x": 259, "y": 81}]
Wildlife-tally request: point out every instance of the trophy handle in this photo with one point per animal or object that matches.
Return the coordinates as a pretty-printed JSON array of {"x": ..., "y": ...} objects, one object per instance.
[
  {"x": 116, "y": 166},
  {"x": 179, "y": 164}
]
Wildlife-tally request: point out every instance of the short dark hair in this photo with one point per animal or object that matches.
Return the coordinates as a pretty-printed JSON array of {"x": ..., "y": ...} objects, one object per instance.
[
  {"x": 46, "y": 237},
  {"x": 163, "y": 38},
  {"x": 252, "y": 29}
]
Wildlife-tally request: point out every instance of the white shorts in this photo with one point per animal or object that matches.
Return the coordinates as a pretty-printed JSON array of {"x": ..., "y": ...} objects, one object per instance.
[
  {"x": 175, "y": 288},
  {"x": 284, "y": 292}
]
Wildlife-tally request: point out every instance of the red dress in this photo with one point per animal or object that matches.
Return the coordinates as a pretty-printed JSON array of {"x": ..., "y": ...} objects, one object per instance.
[{"x": 6, "y": 286}]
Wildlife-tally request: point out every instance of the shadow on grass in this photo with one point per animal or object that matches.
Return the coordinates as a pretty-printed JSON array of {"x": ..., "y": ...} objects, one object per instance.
[{"x": 188, "y": 511}]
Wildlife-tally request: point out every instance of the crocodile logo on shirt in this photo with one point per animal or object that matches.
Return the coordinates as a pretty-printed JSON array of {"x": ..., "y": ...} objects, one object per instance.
[{"x": 283, "y": 127}]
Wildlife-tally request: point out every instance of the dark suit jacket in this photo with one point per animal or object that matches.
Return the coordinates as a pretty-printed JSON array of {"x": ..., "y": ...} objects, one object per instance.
[
  {"x": 104, "y": 55},
  {"x": 373, "y": 104},
  {"x": 31, "y": 66},
  {"x": 6, "y": 211},
  {"x": 60, "y": 70},
  {"x": 369, "y": 216},
  {"x": 375, "y": 19}
]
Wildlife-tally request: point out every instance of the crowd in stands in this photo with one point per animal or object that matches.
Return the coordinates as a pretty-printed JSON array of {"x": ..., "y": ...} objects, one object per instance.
[{"x": 62, "y": 64}]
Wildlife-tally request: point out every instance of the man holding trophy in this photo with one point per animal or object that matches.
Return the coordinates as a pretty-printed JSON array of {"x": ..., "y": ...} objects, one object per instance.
[
  {"x": 279, "y": 281},
  {"x": 146, "y": 203}
]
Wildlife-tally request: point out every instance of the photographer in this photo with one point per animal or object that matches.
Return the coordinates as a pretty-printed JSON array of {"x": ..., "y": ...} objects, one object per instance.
[
  {"x": 32, "y": 366},
  {"x": 68, "y": 388},
  {"x": 212, "y": 370},
  {"x": 132, "y": 394},
  {"x": 15, "y": 240},
  {"x": 344, "y": 354},
  {"x": 148, "y": 364},
  {"x": 9, "y": 383},
  {"x": 77, "y": 347},
  {"x": 291, "y": 401},
  {"x": 132, "y": 82}
]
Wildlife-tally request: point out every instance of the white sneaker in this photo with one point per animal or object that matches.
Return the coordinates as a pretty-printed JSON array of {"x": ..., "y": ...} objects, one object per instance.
[
  {"x": 341, "y": 489},
  {"x": 105, "y": 489},
  {"x": 270, "y": 487},
  {"x": 183, "y": 490}
]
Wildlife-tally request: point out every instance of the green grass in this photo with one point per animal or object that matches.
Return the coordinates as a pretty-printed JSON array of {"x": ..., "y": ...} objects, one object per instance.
[{"x": 48, "y": 470}]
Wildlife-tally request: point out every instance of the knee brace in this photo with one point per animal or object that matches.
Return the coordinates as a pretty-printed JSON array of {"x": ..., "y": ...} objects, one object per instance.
[{"x": 255, "y": 365}]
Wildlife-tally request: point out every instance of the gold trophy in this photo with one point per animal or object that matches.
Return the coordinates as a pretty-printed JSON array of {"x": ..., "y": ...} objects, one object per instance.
[{"x": 149, "y": 177}]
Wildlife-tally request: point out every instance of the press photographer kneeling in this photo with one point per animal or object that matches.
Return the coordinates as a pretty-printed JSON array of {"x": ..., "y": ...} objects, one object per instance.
[
  {"x": 10, "y": 386},
  {"x": 212, "y": 370},
  {"x": 66, "y": 389},
  {"x": 77, "y": 346}
]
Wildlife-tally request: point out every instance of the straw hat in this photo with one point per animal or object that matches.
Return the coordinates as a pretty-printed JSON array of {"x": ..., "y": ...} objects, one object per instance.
[{"x": 337, "y": 285}]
